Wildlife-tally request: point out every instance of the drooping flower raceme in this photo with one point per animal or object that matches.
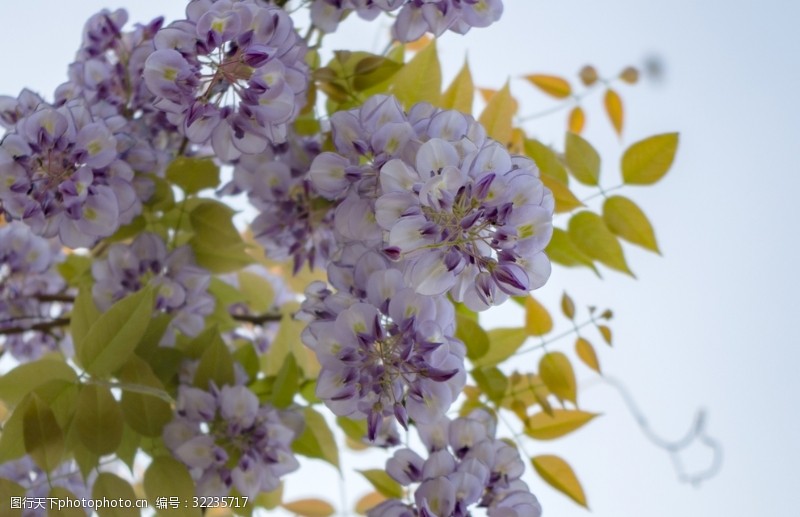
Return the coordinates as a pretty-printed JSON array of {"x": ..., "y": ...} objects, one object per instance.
[
  {"x": 414, "y": 18},
  {"x": 60, "y": 174},
  {"x": 28, "y": 283},
  {"x": 232, "y": 73},
  {"x": 466, "y": 467},
  {"x": 182, "y": 285},
  {"x": 229, "y": 440}
]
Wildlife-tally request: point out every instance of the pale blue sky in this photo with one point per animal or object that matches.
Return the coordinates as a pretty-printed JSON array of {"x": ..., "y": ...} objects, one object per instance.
[{"x": 706, "y": 325}]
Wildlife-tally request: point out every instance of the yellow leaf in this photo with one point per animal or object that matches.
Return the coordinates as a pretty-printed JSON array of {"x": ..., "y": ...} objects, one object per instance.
[
  {"x": 542, "y": 426},
  {"x": 420, "y": 79},
  {"x": 562, "y": 250},
  {"x": 629, "y": 75},
  {"x": 551, "y": 85},
  {"x": 310, "y": 508},
  {"x": 591, "y": 235},
  {"x": 606, "y": 333},
  {"x": 459, "y": 95},
  {"x": 496, "y": 116},
  {"x": 577, "y": 119},
  {"x": 586, "y": 353},
  {"x": 648, "y": 160},
  {"x": 613, "y": 105},
  {"x": 565, "y": 199},
  {"x": 627, "y": 220},
  {"x": 556, "y": 372},
  {"x": 582, "y": 159},
  {"x": 558, "y": 474},
  {"x": 368, "y": 502},
  {"x": 503, "y": 342},
  {"x": 588, "y": 75},
  {"x": 547, "y": 160},
  {"x": 527, "y": 389},
  {"x": 567, "y": 306},
  {"x": 537, "y": 320}
]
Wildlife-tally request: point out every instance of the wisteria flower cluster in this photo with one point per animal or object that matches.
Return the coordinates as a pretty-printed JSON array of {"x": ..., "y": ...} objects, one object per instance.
[
  {"x": 28, "y": 288},
  {"x": 232, "y": 73},
  {"x": 229, "y": 440},
  {"x": 414, "y": 17},
  {"x": 181, "y": 284},
  {"x": 466, "y": 466},
  {"x": 37, "y": 482}
]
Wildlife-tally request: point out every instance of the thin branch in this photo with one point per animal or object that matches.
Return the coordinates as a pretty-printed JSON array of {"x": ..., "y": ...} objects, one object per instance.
[
  {"x": 42, "y": 327},
  {"x": 258, "y": 319}
]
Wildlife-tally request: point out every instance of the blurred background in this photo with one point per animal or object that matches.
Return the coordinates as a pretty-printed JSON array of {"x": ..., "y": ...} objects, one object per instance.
[{"x": 708, "y": 325}]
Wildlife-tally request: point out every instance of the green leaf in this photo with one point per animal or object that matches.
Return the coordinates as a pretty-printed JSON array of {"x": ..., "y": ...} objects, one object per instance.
[
  {"x": 129, "y": 446},
  {"x": 491, "y": 381},
  {"x": 12, "y": 442},
  {"x": 167, "y": 477},
  {"x": 286, "y": 383},
  {"x": 472, "y": 334},
  {"x": 562, "y": 250},
  {"x": 420, "y": 79},
  {"x": 216, "y": 242},
  {"x": 113, "y": 337},
  {"x": 112, "y": 487},
  {"x": 557, "y": 374},
  {"x": 591, "y": 235},
  {"x": 647, "y": 161},
  {"x": 582, "y": 159},
  {"x": 73, "y": 268},
  {"x": 461, "y": 92},
  {"x": 383, "y": 483},
  {"x": 503, "y": 342},
  {"x": 542, "y": 426},
  {"x": 144, "y": 410},
  {"x": 373, "y": 70},
  {"x": 42, "y": 436},
  {"x": 558, "y": 474},
  {"x": 256, "y": 290},
  {"x": 28, "y": 376},
  {"x": 65, "y": 503},
  {"x": 317, "y": 440},
  {"x": 193, "y": 174},
  {"x": 287, "y": 341},
  {"x": 311, "y": 507},
  {"x": 84, "y": 314},
  {"x": 98, "y": 419},
  {"x": 537, "y": 319},
  {"x": 356, "y": 430},
  {"x": 497, "y": 116},
  {"x": 627, "y": 220},
  {"x": 547, "y": 160},
  {"x": 216, "y": 363},
  {"x": 8, "y": 490}
]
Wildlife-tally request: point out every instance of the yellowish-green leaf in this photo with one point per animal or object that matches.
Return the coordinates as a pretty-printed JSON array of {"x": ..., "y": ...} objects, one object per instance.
[
  {"x": 270, "y": 500},
  {"x": 582, "y": 159},
  {"x": 647, "y": 161},
  {"x": 371, "y": 71},
  {"x": 606, "y": 333},
  {"x": 527, "y": 389},
  {"x": 626, "y": 219},
  {"x": 356, "y": 430},
  {"x": 310, "y": 508},
  {"x": 258, "y": 292},
  {"x": 9, "y": 490},
  {"x": 287, "y": 341},
  {"x": 420, "y": 79},
  {"x": 547, "y": 160},
  {"x": 558, "y": 474},
  {"x": 591, "y": 235},
  {"x": 369, "y": 501},
  {"x": 43, "y": 438},
  {"x": 577, "y": 119},
  {"x": 613, "y": 105},
  {"x": 497, "y": 116},
  {"x": 587, "y": 354},
  {"x": 565, "y": 199},
  {"x": 383, "y": 483},
  {"x": 567, "y": 306},
  {"x": 537, "y": 319},
  {"x": 84, "y": 314},
  {"x": 193, "y": 174},
  {"x": 561, "y": 422},
  {"x": 167, "y": 477},
  {"x": 145, "y": 411},
  {"x": 28, "y": 376},
  {"x": 286, "y": 383},
  {"x": 503, "y": 342},
  {"x": 562, "y": 250},
  {"x": 492, "y": 382},
  {"x": 216, "y": 243},
  {"x": 555, "y": 86},
  {"x": 114, "y": 336},
  {"x": 98, "y": 419},
  {"x": 113, "y": 487},
  {"x": 472, "y": 334},
  {"x": 216, "y": 363},
  {"x": 461, "y": 92},
  {"x": 317, "y": 440},
  {"x": 556, "y": 372}
]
